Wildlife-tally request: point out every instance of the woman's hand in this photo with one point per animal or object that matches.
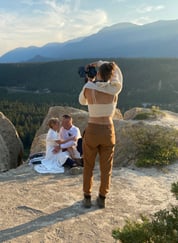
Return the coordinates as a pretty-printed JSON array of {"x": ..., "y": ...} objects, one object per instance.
[{"x": 56, "y": 149}]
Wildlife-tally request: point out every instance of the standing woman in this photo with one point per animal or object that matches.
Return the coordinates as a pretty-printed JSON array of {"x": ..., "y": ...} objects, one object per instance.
[{"x": 99, "y": 138}]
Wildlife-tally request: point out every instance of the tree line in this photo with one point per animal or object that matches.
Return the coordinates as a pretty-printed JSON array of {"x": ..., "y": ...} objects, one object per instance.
[{"x": 146, "y": 81}]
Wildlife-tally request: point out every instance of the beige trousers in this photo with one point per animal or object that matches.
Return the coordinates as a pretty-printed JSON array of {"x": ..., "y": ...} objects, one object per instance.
[{"x": 98, "y": 139}]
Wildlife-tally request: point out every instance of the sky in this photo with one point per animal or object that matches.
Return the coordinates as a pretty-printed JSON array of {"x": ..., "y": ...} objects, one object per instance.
[{"x": 25, "y": 23}]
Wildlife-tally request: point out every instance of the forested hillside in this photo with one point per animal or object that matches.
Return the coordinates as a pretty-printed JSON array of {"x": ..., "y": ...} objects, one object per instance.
[
  {"x": 27, "y": 90},
  {"x": 153, "y": 81}
]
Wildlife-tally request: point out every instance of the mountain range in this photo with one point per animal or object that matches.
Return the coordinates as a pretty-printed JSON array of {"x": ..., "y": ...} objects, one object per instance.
[{"x": 154, "y": 40}]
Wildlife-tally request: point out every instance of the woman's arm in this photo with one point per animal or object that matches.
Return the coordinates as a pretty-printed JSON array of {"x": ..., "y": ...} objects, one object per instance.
[
  {"x": 82, "y": 99},
  {"x": 65, "y": 141},
  {"x": 113, "y": 87},
  {"x": 68, "y": 142}
]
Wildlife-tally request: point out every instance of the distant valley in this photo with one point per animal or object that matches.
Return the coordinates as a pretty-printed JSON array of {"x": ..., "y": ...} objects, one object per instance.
[{"x": 147, "y": 82}]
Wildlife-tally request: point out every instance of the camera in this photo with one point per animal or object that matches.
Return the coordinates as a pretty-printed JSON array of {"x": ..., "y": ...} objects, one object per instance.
[{"x": 89, "y": 72}]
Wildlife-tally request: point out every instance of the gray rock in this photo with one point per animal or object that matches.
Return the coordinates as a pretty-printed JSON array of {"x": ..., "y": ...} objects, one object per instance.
[
  {"x": 4, "y": 155},
  {"x": 11, "y": 148}
]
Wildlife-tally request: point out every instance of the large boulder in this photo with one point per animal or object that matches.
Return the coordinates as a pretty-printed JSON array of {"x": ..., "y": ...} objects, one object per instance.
[
  {"x": 80, "y": 117},
  {"x": 132, "y": 113},
  {"x": 11, "y": 147},
  {"x": 4, "y": 155}
]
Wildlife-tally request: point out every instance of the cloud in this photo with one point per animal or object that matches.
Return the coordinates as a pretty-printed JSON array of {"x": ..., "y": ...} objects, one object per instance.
[
  {"x": 146, "y": 14},
  {"x": 149, "y": 8},
  {"x": 142, "y": 20},
  {"x": 118, "y": 1},
  {"x": 68, "y": 20},
  {"x": 48, "y": 21}
]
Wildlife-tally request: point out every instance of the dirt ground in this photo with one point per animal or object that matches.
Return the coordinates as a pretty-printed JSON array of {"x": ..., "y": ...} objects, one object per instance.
[{"x": 48, "y": 208}]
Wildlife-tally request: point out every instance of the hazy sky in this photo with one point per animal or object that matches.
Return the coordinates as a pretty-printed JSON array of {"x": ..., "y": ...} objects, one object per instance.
[{"x": 26, "y": 23}]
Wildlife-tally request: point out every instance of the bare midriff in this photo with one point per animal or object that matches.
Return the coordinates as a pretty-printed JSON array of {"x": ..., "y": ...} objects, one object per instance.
[{"x": 101, "y": 120}]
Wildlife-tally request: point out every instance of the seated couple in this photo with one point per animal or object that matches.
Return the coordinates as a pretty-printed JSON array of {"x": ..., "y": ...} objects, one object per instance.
[{"x": 63, "y": 146}]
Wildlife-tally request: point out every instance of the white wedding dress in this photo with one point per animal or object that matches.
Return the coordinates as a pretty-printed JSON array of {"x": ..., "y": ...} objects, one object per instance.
[{"x": 53, "y": 162}]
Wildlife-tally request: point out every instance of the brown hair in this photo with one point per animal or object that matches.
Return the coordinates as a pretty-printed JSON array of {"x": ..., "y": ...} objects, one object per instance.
[
  {"x": 106, "y": 70},
  {"x": 67, "y": 116},
  {"x": 53, "y": 121}
]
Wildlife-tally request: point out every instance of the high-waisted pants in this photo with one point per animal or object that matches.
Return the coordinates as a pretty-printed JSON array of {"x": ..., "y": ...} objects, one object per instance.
[{"x": 98, "y": 139}]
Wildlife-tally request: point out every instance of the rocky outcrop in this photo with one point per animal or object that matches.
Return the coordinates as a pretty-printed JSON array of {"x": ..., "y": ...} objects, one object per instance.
[
  {"x": 131, "y": 114},
  {"x": 11, "y": 148},
  {"x": 4, "y": 155},
  {"x": 165, "y": 121},
  {"x": 144, "y": 113},
  {"x": 153, "y": 118}
]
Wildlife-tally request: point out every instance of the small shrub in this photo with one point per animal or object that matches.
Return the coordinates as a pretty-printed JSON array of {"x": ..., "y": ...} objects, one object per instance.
[
  {"x": 143, "y": 116},
  {"x": 152, "y": 113},
  {"x": 149, "y": 145},
  {"x": 133, "y": 231},
  {"x": 161, "y": 228},
  {"x": 174, "y": 189}
]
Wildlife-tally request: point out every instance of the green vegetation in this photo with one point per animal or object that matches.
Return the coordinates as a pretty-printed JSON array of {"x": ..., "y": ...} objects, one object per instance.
[
  {"x": 155, "y": 147},
  {"x": 149, "y": 145},
  {"x": 146, "y": 82},
  {"x": 27, "y": 118},
  {"x": 174, "y": 189},
  {"x": 152, "y": 113},
  {"x": 161, "y": 228}
]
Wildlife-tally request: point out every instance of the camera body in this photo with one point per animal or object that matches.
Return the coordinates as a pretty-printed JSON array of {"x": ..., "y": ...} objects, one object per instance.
[{"x": 89, "y": 72}]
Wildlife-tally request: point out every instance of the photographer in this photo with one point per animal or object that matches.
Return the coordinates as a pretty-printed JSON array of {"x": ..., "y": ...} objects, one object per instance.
[{"x": 101, "y": 97}]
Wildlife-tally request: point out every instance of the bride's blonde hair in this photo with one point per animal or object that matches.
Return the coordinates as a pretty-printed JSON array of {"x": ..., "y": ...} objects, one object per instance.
[{"x": 52, "y": 121}]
